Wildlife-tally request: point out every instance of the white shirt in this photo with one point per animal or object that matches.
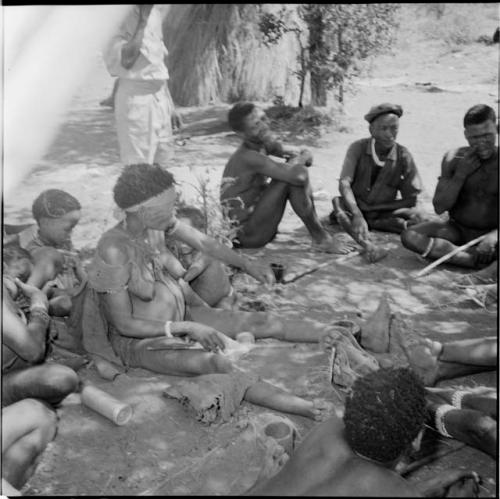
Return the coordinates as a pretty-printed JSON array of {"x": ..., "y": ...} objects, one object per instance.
[{"x": 150, "y": 65}]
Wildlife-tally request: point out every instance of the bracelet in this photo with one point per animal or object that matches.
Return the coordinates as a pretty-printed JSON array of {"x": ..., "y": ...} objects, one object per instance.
[
  {"x": 168, "y": 332},
  {"x": 41, "y": 313}
]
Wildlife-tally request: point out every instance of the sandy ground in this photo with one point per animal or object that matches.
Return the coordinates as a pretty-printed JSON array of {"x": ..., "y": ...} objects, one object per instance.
[{"x": 163, "y": 450}]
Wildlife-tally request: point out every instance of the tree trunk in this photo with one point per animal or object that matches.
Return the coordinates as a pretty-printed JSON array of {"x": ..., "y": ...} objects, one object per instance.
[
  {"x": 318, "y": 90},
  {"x": 316, "y": 50}
]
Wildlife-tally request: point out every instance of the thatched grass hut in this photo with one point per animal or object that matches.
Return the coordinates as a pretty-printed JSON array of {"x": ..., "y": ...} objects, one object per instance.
[{"x": 216, "y": 53}]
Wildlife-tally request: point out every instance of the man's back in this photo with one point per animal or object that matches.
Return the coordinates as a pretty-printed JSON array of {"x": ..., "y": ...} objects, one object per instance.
[{"x": 324, "y": 464}]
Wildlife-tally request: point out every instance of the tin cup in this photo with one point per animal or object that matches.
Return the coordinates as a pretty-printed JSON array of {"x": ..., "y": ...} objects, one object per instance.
[{"x": 279, "y": 271}]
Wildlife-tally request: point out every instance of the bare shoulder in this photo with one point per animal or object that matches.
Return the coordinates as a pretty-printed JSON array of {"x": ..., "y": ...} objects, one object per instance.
[
  {"x": 113, "y": 249},
  {"x": 377, "y": 481}
]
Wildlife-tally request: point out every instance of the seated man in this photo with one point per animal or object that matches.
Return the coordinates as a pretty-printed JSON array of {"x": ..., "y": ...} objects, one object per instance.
[
  {"x": 384, "y": 416},
  {"x": 468, "y": 190},
  {"x": 255, "y": 189},
  {"x": 374, "y": 171}
]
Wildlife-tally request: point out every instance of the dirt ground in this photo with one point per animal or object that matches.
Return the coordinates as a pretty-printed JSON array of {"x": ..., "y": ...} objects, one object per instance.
[{"x": 163, "y": 450}]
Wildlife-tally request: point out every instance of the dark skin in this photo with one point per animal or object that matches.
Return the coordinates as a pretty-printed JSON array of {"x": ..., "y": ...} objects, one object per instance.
[
  {"x": 325, "y": 465},
  {"x": 469, "y": 192},
  {"x": 252, "y": 168}
]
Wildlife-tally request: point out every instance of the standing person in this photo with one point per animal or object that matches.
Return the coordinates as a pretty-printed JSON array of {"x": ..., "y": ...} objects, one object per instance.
[
  {"x": 255, "y": 189},
  {"x": 375, "y": 169},
  {"x": 144, "y": 109},
  {"x": 468, "y": 190}
]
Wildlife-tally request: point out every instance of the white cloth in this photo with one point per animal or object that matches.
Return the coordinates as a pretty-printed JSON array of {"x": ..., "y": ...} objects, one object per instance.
[
  {"x": 143, "y": 122},
  {"x": 150, "y": 64}
]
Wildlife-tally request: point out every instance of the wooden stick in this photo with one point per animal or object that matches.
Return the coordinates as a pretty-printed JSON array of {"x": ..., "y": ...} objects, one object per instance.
[
  {"x": 409, "y": 468},
  {"x": 449, "y": 255}
]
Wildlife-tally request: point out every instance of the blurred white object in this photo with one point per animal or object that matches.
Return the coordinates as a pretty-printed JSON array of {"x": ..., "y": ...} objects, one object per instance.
[{"x": 49, "y": 52}]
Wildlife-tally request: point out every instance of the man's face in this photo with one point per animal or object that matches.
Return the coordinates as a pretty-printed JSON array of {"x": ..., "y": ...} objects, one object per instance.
[
  {"x": 57, "y": 231},
  {"x": 256, "y": 127},
  {"x": 482, "y": 138},
  {"x": 384, "y": 130}
]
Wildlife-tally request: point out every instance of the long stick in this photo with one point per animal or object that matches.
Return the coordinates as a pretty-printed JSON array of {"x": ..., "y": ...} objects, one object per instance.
[{"x": 449, "y": 255}]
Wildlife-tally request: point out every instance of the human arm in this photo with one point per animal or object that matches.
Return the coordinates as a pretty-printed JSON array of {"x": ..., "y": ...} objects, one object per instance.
[
  {"x": 131, "y": 49},
  {"x": 347, "y": 174},
  {"x": 47, "y": 263},
  {"x": 452, "y": 179},
  {"x": 28, "y": 341},
  {"x": 438, "y": 486},
  {"x": 293, "y": 172},
  {"x": 206, "y": 244},
  {"x": 392, "y": 205}
]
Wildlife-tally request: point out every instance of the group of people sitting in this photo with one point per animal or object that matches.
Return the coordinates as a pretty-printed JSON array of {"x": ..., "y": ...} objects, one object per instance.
[{"x": 166, "y": 303}]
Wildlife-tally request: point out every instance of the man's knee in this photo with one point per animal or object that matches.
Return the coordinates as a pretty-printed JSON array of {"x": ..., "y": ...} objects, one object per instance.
[
  {"x": 411, "y": 240},
  {"x": 484, "y": 427}
]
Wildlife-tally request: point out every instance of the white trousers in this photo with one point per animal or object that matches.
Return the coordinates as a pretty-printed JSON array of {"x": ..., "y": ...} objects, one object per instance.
[{"x": 144, "y": 128}]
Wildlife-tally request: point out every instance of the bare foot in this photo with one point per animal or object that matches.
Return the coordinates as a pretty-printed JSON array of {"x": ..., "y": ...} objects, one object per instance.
[
  {"x": 374, "y": 253},
  {"x": 321, "y": 409},
  {"x": 423, "y": 357},
  {"x": 376, "y": 329},
  {"x": 330, "y": 245},
  {"x": 274, "y": 459}
]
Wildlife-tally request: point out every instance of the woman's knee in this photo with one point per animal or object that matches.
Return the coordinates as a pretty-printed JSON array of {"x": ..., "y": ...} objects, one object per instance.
[
  {"x": 63, "y": 380},
  {"x": 41, "y": 418}
]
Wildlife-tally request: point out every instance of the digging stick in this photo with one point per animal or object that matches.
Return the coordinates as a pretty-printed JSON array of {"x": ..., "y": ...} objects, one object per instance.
[{"x": 425, "y": 270}]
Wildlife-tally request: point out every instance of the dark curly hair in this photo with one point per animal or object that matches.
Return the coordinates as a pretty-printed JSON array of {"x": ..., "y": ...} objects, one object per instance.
[
  {"x": 238, "y": 113},
  {"x": 54, "y": 203},
  {"x": 140, "y": 182},
  {"x": 479, "y": 114},
  {"x": 384, "y": 413}
]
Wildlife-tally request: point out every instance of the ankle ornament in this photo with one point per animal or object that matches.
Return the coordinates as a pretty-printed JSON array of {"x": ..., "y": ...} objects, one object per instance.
[
  {"x": 441, "y": 411},
  {"x": 429, "y": 248}
]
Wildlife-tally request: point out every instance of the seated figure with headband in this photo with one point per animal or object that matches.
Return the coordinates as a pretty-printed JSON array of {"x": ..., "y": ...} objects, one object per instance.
[
  {"x": 375, "y": 170},
  {"x": 55, "y": 265},
  {"x": 152, "y": 318}
]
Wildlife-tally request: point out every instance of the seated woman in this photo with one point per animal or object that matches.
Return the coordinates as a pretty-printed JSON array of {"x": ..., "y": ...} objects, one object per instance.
[{"x": 145, "y": 306}]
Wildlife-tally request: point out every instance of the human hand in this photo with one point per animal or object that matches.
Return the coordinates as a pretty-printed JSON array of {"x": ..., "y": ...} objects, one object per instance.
[
  {"x": 260, "y": 271},
  {"x": 208, "y": 337},
  {"x": 176, "y": 120},
  {"x": 360, "y": 228},
  {"x": 468, "y": 164},
  {"x": 144, "y": 12},
  {"x": 486, "y": 250},
  {"x": 306, "y": 156},
  {"x": 37, "y": 297},
  {"x": 199, "y": 264}
]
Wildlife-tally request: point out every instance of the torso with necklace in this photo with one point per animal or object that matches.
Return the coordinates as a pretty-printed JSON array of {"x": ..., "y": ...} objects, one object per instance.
[{"x": 154, "y": 294}]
